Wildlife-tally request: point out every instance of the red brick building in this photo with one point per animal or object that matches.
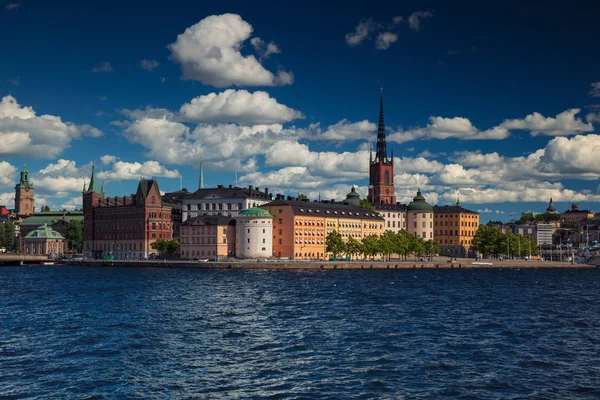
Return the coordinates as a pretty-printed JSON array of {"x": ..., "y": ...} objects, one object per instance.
[{"x": 124, "y": 227}]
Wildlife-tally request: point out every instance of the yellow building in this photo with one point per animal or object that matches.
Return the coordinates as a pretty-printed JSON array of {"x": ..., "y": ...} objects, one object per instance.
[
  {"x": 207, "y": 236},
  {"x": 300, "y": 228},
  {"x": 454, "y": 228}
]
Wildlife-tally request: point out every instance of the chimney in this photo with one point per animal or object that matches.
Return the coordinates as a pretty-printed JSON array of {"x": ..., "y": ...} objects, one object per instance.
[
  {"x": 332, "y": 201},
  {"x": 271, "y": 196},
  {"x": 266, "y": 192},
  {"x": 290, "y": 198},
  {"x": 219, "y": 186},
  {"x": 257, "y": 189},
  {"x": 575, "y": 207},
  {"x": 230, "y": 186},
  {"x": 250, "y": 189}
]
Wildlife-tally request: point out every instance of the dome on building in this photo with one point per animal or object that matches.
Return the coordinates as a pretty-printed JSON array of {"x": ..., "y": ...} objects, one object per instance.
[
  {"x": 44, "y": 232},
  {"x": 419, "y": 203},
  {"x": 551, "y": 208},
  {"x": 255, "y": 212},
  {"x": 353, "y": 198}
]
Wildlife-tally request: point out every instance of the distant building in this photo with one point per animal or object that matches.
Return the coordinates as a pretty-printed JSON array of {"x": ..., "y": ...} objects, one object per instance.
[
  {"x": 207, "y": 236},
  {"x": 56, "y": 220},
  {"x": 500, "y": 225},
  {"x": 419, "y": 217},
  {"x": 544, "y": 234},
  {"x": 254, "y": 233},
  {"x": 301, "y": 227},
  {"x": 394, "y": 216},
  {"x": 528, "y": 230},
  {"x": 44, "y": 241},
  {"x": 226, "y": 201},
  {"x": 175, "y": 200},
  {"x": 575, "y": 214},
  {"x": 551, "y": 209},
  {"x": 455, "y": 227},
  {"x": 24, "y": 199},
  {"x": 124, "y": 227}
]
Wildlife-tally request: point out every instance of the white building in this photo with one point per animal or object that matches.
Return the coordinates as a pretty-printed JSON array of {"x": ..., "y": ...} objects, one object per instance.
[
  {"x": 419, "y": 217},
  {"x": 394, "y": 216},
  {"x": 544, "y": 234},
  {"x": 226, "y": 201},
  {"x": 254, "y": 233}
]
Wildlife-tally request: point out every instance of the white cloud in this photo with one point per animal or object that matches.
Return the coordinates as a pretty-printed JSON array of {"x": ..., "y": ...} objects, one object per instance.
[
  {"x": 103, "y": 67},
  {"x": 489, "y": 211},
  {"x": 209, "y": 52},
  {"x": 149, "y": 65},
  {"x": 576, "y": 155},
  {"x": 416, "y": 19},
  {"x": 477, "y": 159},
  {"x": 593, "y": 118},
  {"x": 564, "y": 124},
  {"x": 343, "y": 130},
  {"x": 238, "y": 106},
  {"x": 73, "y": 203},
  {"x": 385, "y": 40},
  {"x": 361, "y": 32},
  {"x": 122, "y": 170},
  {"x": 263, "y": 50},
  {"x": 7, "y": 174},
  {"x": 108, "y": 159},
  {"x": 446, "y": 128},
  {"x": 417, "y": 164},
  {"x": 22, "y": 133},
  {"x": 595, "y": 91},
  {"x": 7, "y": 200},
  {"x": 397, "y": 19}
]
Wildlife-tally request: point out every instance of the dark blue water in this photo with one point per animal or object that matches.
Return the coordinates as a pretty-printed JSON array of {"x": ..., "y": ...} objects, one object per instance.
[{"x": 156, "y": 333}]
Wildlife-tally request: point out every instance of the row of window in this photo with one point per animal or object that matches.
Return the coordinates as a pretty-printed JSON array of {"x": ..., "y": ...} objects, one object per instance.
[
  {"x": 462, "y": 233},
  {"x": 450, "y": 223}
]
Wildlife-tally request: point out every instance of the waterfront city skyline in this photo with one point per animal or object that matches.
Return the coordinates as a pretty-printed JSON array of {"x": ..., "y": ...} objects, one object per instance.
[{"x": 503, "y": 118}]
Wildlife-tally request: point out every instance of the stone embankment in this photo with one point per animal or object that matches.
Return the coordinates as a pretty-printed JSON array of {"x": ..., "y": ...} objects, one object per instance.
[{"x": 329, "y": 265}]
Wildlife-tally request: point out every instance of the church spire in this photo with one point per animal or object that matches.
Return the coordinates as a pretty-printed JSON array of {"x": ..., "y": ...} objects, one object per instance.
[
  {"x": 201, "y": 177},
  {"x": 92, "y": 188},
  {"x": 381, "y": 145}
]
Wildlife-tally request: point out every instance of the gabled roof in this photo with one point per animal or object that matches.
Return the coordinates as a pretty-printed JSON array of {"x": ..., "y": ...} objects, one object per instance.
[
  {"x": 328, "y": 210},
  {"x": 145, "y": 185}
]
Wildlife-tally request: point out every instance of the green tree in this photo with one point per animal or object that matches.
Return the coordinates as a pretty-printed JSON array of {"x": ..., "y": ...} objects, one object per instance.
[
  {"x": 352, "y": 247},
  {"x": 364, "y": 203},
  {"x": 369, "y": 245},
  {"x": 488, "y": 240},
  {"x": 45, "y": 208},
  {"x": 430, "y": 248},
  {"x": 302, "y": 197},
  {"x": 418, "y": 247},
  {"x": 9, "y": 235},
  {"x": 2, "y": 238},
  {"x": 74, "y": 235},
  {"x": 404, "y": 243},
  {"x": 334, "y": 243},
  {"x": 386, "y": 243},
  {"x": 165, "y": 248}
]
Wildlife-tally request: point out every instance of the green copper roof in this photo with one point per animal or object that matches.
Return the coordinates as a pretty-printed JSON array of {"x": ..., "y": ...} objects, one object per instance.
[
  {"x": 419, "y": 203},
  {"x": 44, "y": 232},
  {"x": 93, "y": 188},
  {"x": 24, "y": 182},
  {"x": 255, "y": 212},
  {"x": 50, "y": 217}
]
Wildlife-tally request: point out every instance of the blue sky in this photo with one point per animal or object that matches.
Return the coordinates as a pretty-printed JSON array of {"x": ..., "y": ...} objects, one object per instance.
[{"x": 497, "y": 104}]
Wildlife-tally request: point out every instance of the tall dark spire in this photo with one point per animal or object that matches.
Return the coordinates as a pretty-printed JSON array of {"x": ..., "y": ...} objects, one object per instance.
[{"x": 381, "y": 145}]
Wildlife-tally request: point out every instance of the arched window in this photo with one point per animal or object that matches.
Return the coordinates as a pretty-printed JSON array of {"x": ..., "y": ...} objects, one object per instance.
[
  {"x": 153, "y": 200},
  {"x": 386, "y": 177}
]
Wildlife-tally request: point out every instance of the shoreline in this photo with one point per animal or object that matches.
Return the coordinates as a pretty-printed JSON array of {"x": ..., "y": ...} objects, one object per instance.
[{"x": 326, "y": 265}]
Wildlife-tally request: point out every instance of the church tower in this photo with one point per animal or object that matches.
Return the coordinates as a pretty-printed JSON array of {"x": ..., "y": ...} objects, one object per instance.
[
  {"x": 381, "y": 169},
  {"x": 24, "y": 195},
  {"x": 91, "y": 197}
]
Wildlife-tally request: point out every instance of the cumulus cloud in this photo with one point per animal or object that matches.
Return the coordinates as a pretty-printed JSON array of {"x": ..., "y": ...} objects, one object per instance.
[
  {"x": 149, "y": 65},
  {"x": 7, "y": 174},
  {"x": 108, "y": 159},
  {"x": 361, "y": 32},
  {"x": 73, "y": 203},
  {"x": 23, "y": 133},
  {"x": 209, "y": 52},
  {"x": 385, "y": 40},
  {"x": 103, "y": 67},
  {"x": 238, "y": 106},
  {"x": 416, "y": 19},
  {"x": 564, "y": 124},
  {"x": 595, "y": 91},
  {"x": 576, "y": 155},
  {"x": 122, "y": 170},
  {"x": 343, "y": 130},
  {"x": 264, "y": 50},
  {"x": 446, "y": 128}
]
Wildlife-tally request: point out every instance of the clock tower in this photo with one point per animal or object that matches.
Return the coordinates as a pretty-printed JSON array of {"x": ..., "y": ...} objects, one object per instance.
[
  {"x": 24, "y": 195},
  {"x": 381, "y": 169}
]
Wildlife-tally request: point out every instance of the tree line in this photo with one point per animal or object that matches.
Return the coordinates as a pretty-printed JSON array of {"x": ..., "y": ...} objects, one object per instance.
[
  {"x": 7, "y": 236},
  {"x": 491, "y": 241},
  {"x": 402, "y": 243}
]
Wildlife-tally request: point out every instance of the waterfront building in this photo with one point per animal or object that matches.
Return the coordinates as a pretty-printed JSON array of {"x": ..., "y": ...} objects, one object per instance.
[
  {"x": 381, "y": 168},
  {"x": 301, "y": 227},
  {"x": 44, "y": 241},
  {"x": 544, "y": 234},
  {"x": 175, "y": 200},
  {"x": 419, "y": 217},
  {"x": 24, "y": 198},
  {"x": 124, "y": 227},
  {"x": 395, "y": 216},
  {"x": 227, "y": 201},
  {"x": 254, "y": 233},
  {"x": 454, "y": 229},
  {"x": 56, "y": 220},
  {"x": 207, "y": 236},
  {"x": 575, "y": 214},
  {"x": 524, "y": 229}
]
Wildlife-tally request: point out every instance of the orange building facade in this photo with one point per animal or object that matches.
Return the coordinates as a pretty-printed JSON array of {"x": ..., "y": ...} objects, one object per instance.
[
  {"x": 207, "y": 236},
  {"x": 454, "y": 229},
  {"x": 300, "y": 228}
]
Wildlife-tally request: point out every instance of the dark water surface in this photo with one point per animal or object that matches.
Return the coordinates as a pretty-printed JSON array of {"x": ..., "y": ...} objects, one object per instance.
[{"x": 69, "y": 332}]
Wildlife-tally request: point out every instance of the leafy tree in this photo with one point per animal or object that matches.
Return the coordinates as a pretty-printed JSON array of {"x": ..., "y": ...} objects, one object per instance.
[
  {"x": 8, "y": 235},
  {"x": 418, "y": 247},
  {"x": 369, "y": 245},
  {"x": 45, "y": 208},
  {"x": 488, "y": 240},
  {"x": 386, "y": 243},
  {"x": 364, "y": 203},
  {"x": 334, "y": 243},
  {"x": 404, "y": 243},
  {"x": 302, "y": 197},
  {"x": 352, "y": 247},
  {"x": 430, "y": 248},
  {"x": 165, "y": 247},
  {"x": 74, "y": 235},
  {"x": 2, "y": 238}
]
